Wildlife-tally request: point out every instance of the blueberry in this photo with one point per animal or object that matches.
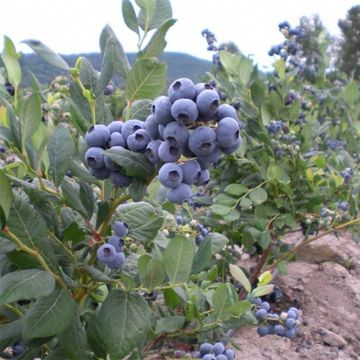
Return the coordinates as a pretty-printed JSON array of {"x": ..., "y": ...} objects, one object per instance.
[
  {"x": 185, "y": 151},
  {"x": 2, "y": 149},
  {"x": 130, "y": 126},
  {"x": 295, "y": 310},
  {"x": 106, "y": 253},
  {"x": 161, "y": 109},
  {"x": 209, "y": 357},
  {"x": 202, "y": 141},
  {"x": 152, "y": 151},
  {"x": 170, "y": 175},
  {"x": 230, "y": 354},
  {"x": 120, "y": 228},
  {"x": 179, "y": 354},
  {"x": 176, "y": 134},
  {"x": 226, "y": 110},
  {"x": 138, "y": 140},
  {"x": 94, "y": 157},
  {"x": 208, "y": 102},
  {"x": 196, "y": 355},
  {"x": 180, "y": 219},
  {"x": 227, "y": 132},
  {"x": 261, "y": 314},
  {"x": 199, "y": 239},
  {"x": 182, "y": 88},
  {"x": 292, "y": 314},
  {"x": 117, "y": 262},
  {"x": 184, "y": 111},
  {"x": 191, "y": 170},
  {"x": 232, "y": 149},
  {"x": 152, "y": 127},
  {"x": 118, "y": 179},
  {"x": 265, "y": 305},
  {"x": 290, "y": 323},
  {"x": 116, "y": 242},
  {"x": 279, "y": 330},
  {"x": 169, "y": 153},
  {"x": 257, "y": 301},
  {"x": 161, "y": 131},
  {"x": 290, "y": 333},
  {"x": 179, "y": 194},
  {"x": 100, "y": 174},
  {"x": 115, "y": 126},
  {"x": 207, "y": 160},
  {"x": 116, "y": 139},
  {"x": 218, "y": 348},
  {"x": 262, "y": 330},
  {"x": 206, "y": 348},
  {"x": 221, "y": 357},
  {"x": 343, "y": 205},
  {"x": 199, "y": 87},
  {"x": 203, "y": 178},
  {"x": 97, "y": 136}
]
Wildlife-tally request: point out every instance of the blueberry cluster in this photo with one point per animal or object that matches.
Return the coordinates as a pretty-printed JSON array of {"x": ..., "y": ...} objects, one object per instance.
[
  {"x": 215, "y": 351},
  {"x": 200, "y": 231},
  {"x": 335, "y": 144},
  {"x": 112, "y": 253},
  {"x": 347, "y": 175},
  {"x": 189, "y": 122},
  {"x": 210, "y": 39},
  {"x": 284, "y": 325}
]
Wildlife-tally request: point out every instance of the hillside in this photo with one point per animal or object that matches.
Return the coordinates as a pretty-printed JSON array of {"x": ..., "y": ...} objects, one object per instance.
[{"x": 179, "y": 65}]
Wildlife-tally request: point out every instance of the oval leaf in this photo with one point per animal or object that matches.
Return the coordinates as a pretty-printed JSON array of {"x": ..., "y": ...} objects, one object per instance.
[
  {"x": 258, "y": 196},
  {"x": 239, "y": 276}
]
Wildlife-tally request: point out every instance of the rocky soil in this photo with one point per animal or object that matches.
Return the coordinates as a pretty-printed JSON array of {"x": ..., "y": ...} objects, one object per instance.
[{"x": 324, "y": 283}]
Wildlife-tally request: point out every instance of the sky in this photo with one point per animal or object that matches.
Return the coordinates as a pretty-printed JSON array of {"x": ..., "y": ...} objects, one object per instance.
[{"x": 74, "y": 26}]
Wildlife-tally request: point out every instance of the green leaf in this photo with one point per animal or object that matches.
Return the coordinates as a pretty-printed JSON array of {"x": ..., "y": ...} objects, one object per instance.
[
  {"x": 31, "y": 115},
  {"x": 218, "y": 242},
  {"x": 262, "y": 290},
  {"x": 9, "y": 333},
  {"x": 143, "y": 219},
  {"x": 222, "y": 300},
  {"x": 120, "y": 62},
  {"x": 203, "y": 256},
  {"x": 146, "y": 79},
  {"x": 178, "y": 259},
  {"x": 153, "y": 13},
  {"x": 72, "y": 341},
  {"x": 124, "y": 322},
  {"x": 265, "y": 278},
  {"x": 61, "y": 148},
  {"x": 6, "y": 194},
  {"x": 245, "y": 203},
  {"x": 151, "y": 272},
  {"x": 6, "y": 245},
  {"x": 157, "y": 43},
  {"x": 277, "y": 173},
  {"x": 10, "y": 58},
  {"x": 169, "y": 324},
  {"x": 49, "y": 316},
  {"x": 93, "y": 334},
  {"x": 258, "y": 196},
  {"x": 220, "y": 209},
  {"x": 239, "y": 276},
  {"x": 258, "y": 93},
  {"x": 236, "y": 189},
  {"x": 47, "y": 54},
  {"x": 129, "y": 16},
  {"x": 132, "y": 163},
  {"x": 71, "y": 193},
  {"x": 87, "y": 198},
  {"x": 88, "y": 75},
  {"x": 139, "y": 109},
  {"x": 95, "y": 273},
  {"x": 25, "y": 285}
]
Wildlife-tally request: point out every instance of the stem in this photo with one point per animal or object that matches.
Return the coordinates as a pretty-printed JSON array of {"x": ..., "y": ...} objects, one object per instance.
[
  {"x": 15, "y": 310},
  {"x": 22, "y": 247},
  {"x": 307, "y": 241},
  {"x": 63, "y": 247}
]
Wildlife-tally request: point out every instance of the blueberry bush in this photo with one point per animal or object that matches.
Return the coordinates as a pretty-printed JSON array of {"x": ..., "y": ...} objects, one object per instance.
[{"x": 124, "y": 209}]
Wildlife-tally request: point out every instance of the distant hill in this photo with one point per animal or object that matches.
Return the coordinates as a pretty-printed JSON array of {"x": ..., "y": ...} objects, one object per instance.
[{"x": 179, "y": 65}]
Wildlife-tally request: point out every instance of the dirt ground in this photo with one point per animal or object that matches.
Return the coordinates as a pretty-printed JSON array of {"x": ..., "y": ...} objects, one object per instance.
[{"x": 324, "y": 283}]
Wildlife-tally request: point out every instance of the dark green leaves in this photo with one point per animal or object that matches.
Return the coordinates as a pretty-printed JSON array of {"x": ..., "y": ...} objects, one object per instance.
[
  {"x": 60, "y": 150},
  {"x": 25, "y": 285},
  {"x": 134, "y": 164},
  {"x": 124, "y": 322},
  {"x": 49, "y": 316},
  {"x": 146, "y": 79},
  {"x": 143, "y": 219},
  {"x": 47, "y": 54},
  {"x": 178, "y": 259},
  {"x": 6, "y": 195}
]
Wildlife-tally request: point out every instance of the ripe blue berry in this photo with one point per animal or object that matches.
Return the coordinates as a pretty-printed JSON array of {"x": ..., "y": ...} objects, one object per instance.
[
  {"x": 116, "y": 139},
  {"x": 116, "y": 242},
  {"x": 152, "y": 127},
  {"x": 184, "y": 111},
  {"x": 117, "y": 262},
  {"x": 265, "y": 305},
  {"x": 191, "y": 170},
  {"x": 203, "y": 178},
  {"x": 118, "y": 179},
  {"x": 176, "y": 134},
  {"x": 120, "y": 228},
  {"x": 226, "y": 110},
  {"x": 199, "y": 87},
  {"x": 106, "y": 253},
  {"x": 261, "y": 314},
  {"x": 262, "y": 330},
  {"x": 179, "y": 194},
  {"x": 182, "y": 88},
  {"x": 130, "y": 126},
  {"x": 206, "y": 348},
  {"x": 290, "y": 323},
  {"x": 230, "y": 354},
  {"x": 209, "y": 357},
  {"x": 207, "y": 160},
  {"x": 292, "y": 314},
  {"x": 138, "y": 140},
  {"x": 202, "y": 141},
  {"x": 221, "y": 357},
  {"x": 290, "y": 333},
  {"x": 208, "y": 102},
  {"x": 170, "y": 175},
  {"x": 115, "y": 126},
  {"x": 180, "y": 219},
  {"x": 94, "y": 157},
  {"x": 169, "y": 153},
  {"x": 97, "y": 136},
  {"x": 100, "y": 174},
  {"x": 227, "y": 132},
  {"x": 233, "y": 148},
  {"x": 161, "y": 109},
  {"x": 280, "y": 330},
  {"x": 152, "y": 151},
  {"x": 218, "y": 348}
]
